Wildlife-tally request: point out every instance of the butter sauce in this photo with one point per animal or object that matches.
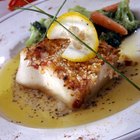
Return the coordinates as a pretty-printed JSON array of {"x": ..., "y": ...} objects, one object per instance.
[{"x": 35, "y": 109}]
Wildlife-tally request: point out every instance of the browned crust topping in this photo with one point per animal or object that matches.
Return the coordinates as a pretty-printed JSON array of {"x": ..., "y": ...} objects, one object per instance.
[{"x": 76, "y": 75}]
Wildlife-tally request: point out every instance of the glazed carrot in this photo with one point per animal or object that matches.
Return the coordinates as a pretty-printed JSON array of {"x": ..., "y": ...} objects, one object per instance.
[
  {"x": 17, "y": 3},
  {"x": 108, "y": 23},
  {"x": 111, "y": 8}
]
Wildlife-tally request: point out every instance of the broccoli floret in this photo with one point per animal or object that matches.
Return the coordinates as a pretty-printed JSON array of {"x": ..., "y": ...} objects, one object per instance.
[
  {"x": 40, "y": 27},
  {"x": 38, "y": 31},
  {"x": 125, "y": 17}
]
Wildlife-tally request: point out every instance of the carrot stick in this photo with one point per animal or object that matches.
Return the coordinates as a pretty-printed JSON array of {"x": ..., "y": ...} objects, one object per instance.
[
  {"x": 111, "y": 8},
  {"x": 108, "y": 23}
]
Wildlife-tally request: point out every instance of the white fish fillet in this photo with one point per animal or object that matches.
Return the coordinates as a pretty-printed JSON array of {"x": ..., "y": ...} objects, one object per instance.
[{"x": 51, "y": 83}]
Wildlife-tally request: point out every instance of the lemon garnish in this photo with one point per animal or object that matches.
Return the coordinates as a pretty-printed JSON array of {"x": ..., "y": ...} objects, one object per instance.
[{"x": 83, "y": 28}]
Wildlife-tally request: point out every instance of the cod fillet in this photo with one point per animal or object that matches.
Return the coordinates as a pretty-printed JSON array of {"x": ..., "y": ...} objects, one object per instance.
[{"x": 42, "y": 67}]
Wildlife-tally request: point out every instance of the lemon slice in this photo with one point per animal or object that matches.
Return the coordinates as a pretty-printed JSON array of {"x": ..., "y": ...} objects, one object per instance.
[{"x": 83, "y": 28}]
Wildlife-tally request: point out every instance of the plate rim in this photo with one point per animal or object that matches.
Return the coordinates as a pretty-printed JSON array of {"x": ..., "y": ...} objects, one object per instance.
[{"x": 10, "y": 15}]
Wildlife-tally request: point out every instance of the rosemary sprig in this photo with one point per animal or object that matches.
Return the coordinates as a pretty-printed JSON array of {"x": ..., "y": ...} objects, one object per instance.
[{"x": 98, "y": 55}]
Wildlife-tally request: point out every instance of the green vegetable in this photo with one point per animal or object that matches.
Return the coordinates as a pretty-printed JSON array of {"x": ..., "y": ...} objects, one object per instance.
[
  {"x": 47, "y": 22},
  {"x": 38, "y": 31},
  {"x": 81, "y": 10},
  {"x": 107, "y": 13},
  {"x": 111, "y": 38},
  {"x": 125, "y": 17}
]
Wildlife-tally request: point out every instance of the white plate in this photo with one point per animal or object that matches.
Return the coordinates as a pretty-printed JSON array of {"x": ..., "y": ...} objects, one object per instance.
[{"x": 14, "y": 28}]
